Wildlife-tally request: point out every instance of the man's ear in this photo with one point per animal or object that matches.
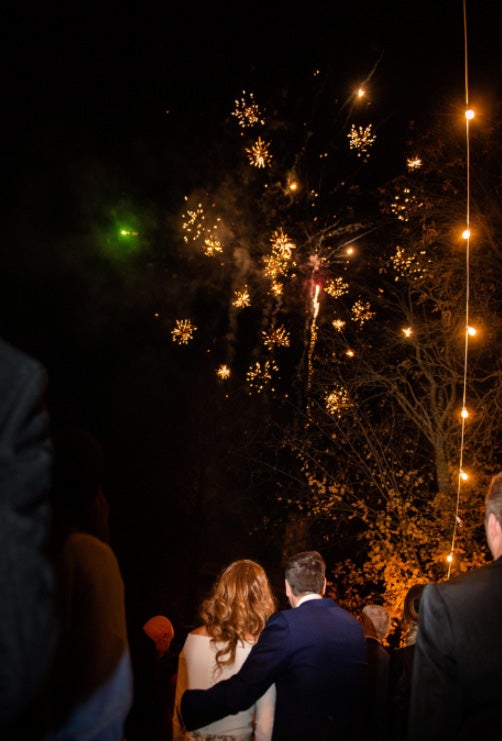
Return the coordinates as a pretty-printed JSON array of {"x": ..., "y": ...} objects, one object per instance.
[
  {"x": 493, "y": 525},
  {"x": 289, "y": 593},
  {"x": 494, "y": 535},
  {"x": 324, "y": 588}
]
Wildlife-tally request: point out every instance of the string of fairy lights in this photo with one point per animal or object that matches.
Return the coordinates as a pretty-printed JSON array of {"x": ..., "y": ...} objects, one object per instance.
[{"x": 469, "y": 331}]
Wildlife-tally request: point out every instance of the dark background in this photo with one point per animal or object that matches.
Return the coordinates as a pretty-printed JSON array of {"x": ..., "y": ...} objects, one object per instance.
[{"x": 118, "y": 110}]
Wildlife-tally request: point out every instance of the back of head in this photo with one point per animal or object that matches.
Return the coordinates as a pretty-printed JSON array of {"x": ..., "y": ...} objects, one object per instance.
[
  {"x": 410, "y": 613},
  {"x": 160, "y": 630},
  {"x": 306, "y": 573},
  {"x": 76, "y": 493},
  {"x": 376, "y": 621},
  {"x": 239, "y": 606},
  {"x": 412, "y": 603},
  {"x": 494, "y": 498}
]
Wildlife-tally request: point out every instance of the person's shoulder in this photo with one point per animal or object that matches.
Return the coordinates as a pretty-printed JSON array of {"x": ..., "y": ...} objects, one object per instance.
[
  {"x": 17, "y": 370},
  {"x": 82, "y": 539},
  {"x": 196, "y": 639},
  {"x": 84, "y": 546},
  {"x": 196, "y": 644},
  {"x": 11, "y": 357},
  {"x": 470, "y": 589},
  {"x": 17, "y": 365},
  {"x": 200, "y": 631},
  {"x": 487, "y": 572}
]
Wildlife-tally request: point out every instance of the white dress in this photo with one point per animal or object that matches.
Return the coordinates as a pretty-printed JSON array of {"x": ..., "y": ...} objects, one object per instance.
[{"x": 197, "y": 670}]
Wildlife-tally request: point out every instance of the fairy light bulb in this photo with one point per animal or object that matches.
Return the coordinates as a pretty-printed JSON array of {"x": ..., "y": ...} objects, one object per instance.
[
  {"x": 471, "y": 331},
  {"x": 407, "y": 331},
  {"x": 463, "y": 475},
  {"x": 361, "y": 92},
  {"x": 469, "y": 114},
  {"x": 464, "y": 413},
  {"x": 449, "y": 557},
  {"x": 466, "y": 233}
]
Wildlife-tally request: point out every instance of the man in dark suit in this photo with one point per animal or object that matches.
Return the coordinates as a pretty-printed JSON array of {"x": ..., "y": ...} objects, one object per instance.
[
  {"x": 457, "y": 671},
  {"x": 315, "y": 654}
]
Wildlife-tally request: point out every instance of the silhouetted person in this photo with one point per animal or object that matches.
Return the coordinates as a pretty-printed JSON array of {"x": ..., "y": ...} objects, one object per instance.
[
  {"x": 94, "y": 690},
  {"x": 401, "y": 667},
  {"x": 457, "y": 673},
  {"x": 154, "y": 669},
  {"x": 27, "y": 586},
  {"x": 376, "y": 623}
]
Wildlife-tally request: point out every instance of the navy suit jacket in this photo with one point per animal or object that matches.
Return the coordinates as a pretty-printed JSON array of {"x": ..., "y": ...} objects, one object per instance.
[
  {"x": 316, "y": 656},
  {"x": 457, "y": 669}
]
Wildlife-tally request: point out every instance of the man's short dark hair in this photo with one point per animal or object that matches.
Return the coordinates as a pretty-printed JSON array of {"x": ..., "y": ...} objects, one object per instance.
[
  {"x": 494, "y": 498},
  {"x": 306, "y": 572}
]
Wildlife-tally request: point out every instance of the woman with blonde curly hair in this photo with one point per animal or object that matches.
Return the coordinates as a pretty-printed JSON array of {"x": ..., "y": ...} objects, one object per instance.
[{"x": 233, "y": 617}]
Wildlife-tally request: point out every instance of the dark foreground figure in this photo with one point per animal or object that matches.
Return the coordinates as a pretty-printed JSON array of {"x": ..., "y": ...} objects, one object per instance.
[{"x": 457, "y": 672}]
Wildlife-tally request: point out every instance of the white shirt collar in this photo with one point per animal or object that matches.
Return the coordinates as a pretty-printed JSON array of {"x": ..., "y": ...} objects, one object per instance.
[{"x": 307, "y": 597}]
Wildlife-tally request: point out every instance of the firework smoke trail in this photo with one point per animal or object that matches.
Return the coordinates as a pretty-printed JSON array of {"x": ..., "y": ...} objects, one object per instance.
[{"x": 312, "y": 341}]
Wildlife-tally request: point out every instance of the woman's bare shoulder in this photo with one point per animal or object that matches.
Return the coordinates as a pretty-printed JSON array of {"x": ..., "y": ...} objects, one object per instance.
[{"x": 200, "y": 631}]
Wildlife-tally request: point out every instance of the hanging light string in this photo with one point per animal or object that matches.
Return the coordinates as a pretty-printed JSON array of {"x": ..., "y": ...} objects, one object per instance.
[{"x": 469, "y": 114}]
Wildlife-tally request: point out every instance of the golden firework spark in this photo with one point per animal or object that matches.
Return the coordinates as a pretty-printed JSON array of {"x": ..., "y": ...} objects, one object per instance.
[
  {"x": 278, "y": 336},
  {"x": 276, "y": 288},
  {"x": 282, "y": 245},
  {"x": 241, "y": 299},
  {"x": 361, "y": 139},
  {"x": 212, "y": 247},
  {"x": 361, "y": 312},
  {"x": 409, "y": 264},
  {"x": 405, "y": 205},
  {"x": 193, "y": 223},
  {"x": 273, "y": 266},
  {"x": 336, "y": 287},
  {"x": 413, "y": 163},
  {"x": 183, "y": 331},
  {"x": 200, "y": 230},
  {"x": 338, "y": 324},
  {"x": 278, "y": 261},
  {"x": 337, "y": 401},
  {"x": 223, "y": 372},
  {"x": 247, "y": 112},
  {"x": 258, "y": 154},
  {"x": 259, "y": 376}
]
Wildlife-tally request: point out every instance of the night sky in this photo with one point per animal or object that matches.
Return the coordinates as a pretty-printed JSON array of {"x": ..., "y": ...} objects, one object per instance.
[{"x": 110, "y": 113}]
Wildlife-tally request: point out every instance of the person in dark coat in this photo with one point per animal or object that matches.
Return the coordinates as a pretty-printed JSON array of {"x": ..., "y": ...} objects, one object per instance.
[
  {"x": 457, "y": 672},
  {"x": 376, "y": 623},
  {"x": 28, "y": 625},
  {"x": 154, "y": 670},
  {"x": 401, "y": 667}
]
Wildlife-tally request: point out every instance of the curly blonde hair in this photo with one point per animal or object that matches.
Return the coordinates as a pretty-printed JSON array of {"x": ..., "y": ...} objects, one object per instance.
[{"x": 239, "y": 606}]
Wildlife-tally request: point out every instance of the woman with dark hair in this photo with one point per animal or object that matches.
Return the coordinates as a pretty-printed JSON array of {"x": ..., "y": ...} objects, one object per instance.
[
  {"x": 401, "y": 667},
  {"x": 233, "y": 617}
]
